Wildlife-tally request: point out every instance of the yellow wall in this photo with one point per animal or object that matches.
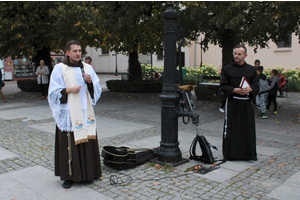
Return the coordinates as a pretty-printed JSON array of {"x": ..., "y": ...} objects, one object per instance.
[{"x": 288, "y": 58}]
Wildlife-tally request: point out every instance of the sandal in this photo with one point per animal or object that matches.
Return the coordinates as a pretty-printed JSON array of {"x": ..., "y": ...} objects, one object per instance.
[{"x": 5, "y": 101}]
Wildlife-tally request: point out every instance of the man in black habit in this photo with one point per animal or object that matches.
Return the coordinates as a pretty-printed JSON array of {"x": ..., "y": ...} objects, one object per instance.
[
  {"x": 73, "y": 91},
  {"x": 239, "y": 86}
]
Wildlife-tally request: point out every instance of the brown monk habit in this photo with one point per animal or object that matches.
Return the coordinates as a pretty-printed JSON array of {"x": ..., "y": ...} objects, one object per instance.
[{"x": 85, "y": 158}]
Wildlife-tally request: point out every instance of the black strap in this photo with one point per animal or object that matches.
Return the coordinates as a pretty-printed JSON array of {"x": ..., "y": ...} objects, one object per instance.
[
  {"x": 193, "y": 149},
  {"x": 193, "y": 155},
  {"x": 221, "y": 162}
]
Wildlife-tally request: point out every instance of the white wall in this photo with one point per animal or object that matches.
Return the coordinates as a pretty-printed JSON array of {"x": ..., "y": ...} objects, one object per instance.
[{"x": 107, "y": 63}]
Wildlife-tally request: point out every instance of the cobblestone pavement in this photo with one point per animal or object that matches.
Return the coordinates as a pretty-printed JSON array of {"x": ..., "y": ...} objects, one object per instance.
[{"x": 35, "y": 147}]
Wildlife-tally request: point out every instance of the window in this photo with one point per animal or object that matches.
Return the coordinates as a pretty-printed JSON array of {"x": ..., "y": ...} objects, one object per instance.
[
  {"x": 160, "y": 57},
  {"x": 283, "y": 44},
  {"x": 104, "y": 52},
  {"x": 23, "y": 67}
]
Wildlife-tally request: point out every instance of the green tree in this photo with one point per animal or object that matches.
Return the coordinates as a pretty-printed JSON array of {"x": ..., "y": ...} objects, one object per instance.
[
  {"x": 34, "y": 29},
  {"x": 26, "y": 29},
  {"x": 230, "y": 23},
  {"x": 131, "y": 28}
]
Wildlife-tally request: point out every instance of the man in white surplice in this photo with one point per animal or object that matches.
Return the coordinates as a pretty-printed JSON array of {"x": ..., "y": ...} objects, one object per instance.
[{"x": 73, "y": 91}]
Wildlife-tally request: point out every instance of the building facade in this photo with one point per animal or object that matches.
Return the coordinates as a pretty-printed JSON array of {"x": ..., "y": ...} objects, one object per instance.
[
  {"x": 284, "y": 55},
  {"x": 110, "y": 62},
  {"x": 17, "y": 69}
]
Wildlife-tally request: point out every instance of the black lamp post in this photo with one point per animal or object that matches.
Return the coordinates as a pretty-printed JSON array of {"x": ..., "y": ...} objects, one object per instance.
[
  {"x": 201, "y": 52},
  {"x": 116, "y": 72},
  {"x": 169, "y": 151}
]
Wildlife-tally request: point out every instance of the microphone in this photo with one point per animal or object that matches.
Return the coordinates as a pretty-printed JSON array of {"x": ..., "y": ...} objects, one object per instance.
[{"x": 82, "y": 71}]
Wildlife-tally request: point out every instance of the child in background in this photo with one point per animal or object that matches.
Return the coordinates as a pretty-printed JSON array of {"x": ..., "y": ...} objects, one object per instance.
[
  {"x": 274, "y": 83},
  {"x": 263, "y": 88}
]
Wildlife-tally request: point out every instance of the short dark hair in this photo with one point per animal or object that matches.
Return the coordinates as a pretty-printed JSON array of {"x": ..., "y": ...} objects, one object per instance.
[
  {"x": 260, "y": 68},
  {"x": 71, "y": 42},
  {"x": 257, "y": 61},
  {"x": 240, "y": 46},
  {"x": 88, "y": 58},
  {"x": 275, "y": 72}
]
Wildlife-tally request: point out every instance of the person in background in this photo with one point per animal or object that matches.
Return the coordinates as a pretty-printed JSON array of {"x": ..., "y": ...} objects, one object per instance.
[
  {"x": 274, "y": 83},
  {"x": 262, "y": 95},
  {"x": 282, "y": 83},
  {"x": 156, "y": 75},
  {"x": 1, "y": 85},
  {"x": 239, "y": 133},
  {"x": 88, "y": 60},
  {"x": 256, "y": 63},
  {"x": 43, "y": 73}
]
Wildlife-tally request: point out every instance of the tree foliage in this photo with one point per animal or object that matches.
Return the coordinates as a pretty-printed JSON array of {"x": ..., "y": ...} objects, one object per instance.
[
  {"x": 230, "y": 23},
  {"x": 26, "y": 28},
  {"x": 126, "y": 27},
  {"x": 130, "y": 27},
  {"x": 36, "y": 28}
]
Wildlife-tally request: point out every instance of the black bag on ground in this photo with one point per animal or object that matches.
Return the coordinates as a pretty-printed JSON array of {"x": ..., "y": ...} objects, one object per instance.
[
  {"x": 207, "y": 156},
  {"x": 122, "y": 158}
]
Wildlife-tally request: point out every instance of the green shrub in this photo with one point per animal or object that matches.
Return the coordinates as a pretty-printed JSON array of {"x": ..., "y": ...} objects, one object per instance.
[
  {"x": 134, "y": 87},
  {"x": 146, "y": 69},
  {"x": 293, "y": 74},
  {"x": 205, "y": 70},
  {"x": 293, "y": 85},
  {"x": 190, "y": 80},
  {"x": 208, "y": 70},
  {"x": 28, "y": 85}
]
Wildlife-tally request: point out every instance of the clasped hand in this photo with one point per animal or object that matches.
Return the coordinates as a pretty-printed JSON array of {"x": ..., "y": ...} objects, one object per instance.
[{"x": 242, "y": 91}]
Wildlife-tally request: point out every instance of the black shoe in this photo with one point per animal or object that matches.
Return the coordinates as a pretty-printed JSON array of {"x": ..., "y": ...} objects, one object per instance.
[
  {"x": 67, "y": 184},
  {"x": 264, "y": 116}
]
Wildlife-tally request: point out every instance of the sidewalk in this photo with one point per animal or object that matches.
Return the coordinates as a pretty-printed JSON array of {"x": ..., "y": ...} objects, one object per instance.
[{"x": 133, "y": 120}]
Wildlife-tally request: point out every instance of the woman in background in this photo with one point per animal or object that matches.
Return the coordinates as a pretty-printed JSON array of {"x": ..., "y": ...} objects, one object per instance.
[{"x": 42, "y": 73}]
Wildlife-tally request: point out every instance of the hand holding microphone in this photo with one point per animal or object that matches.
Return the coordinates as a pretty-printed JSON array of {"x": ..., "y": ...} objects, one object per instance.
[{"x": 87, "y": 78}]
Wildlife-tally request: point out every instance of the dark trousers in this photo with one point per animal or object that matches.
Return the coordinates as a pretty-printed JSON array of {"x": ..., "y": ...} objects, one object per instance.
[
  {"x": 272, "y": 98},
  {"x": 44, "y": 89},
  {"x": 281, "y": 91},
  {"x": 223, "y": 101}
]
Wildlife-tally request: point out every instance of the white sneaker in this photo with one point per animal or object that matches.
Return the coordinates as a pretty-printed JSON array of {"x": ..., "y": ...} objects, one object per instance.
[{"x": 221, "y": 110}]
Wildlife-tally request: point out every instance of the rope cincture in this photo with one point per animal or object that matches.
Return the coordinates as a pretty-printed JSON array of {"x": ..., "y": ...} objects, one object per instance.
[{"x": 70, "y": 153}]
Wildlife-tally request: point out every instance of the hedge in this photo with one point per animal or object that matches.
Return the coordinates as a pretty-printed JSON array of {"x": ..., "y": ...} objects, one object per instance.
[
  {"x": 29, "y": 85},
  {"x": 134, "y": 87}
]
